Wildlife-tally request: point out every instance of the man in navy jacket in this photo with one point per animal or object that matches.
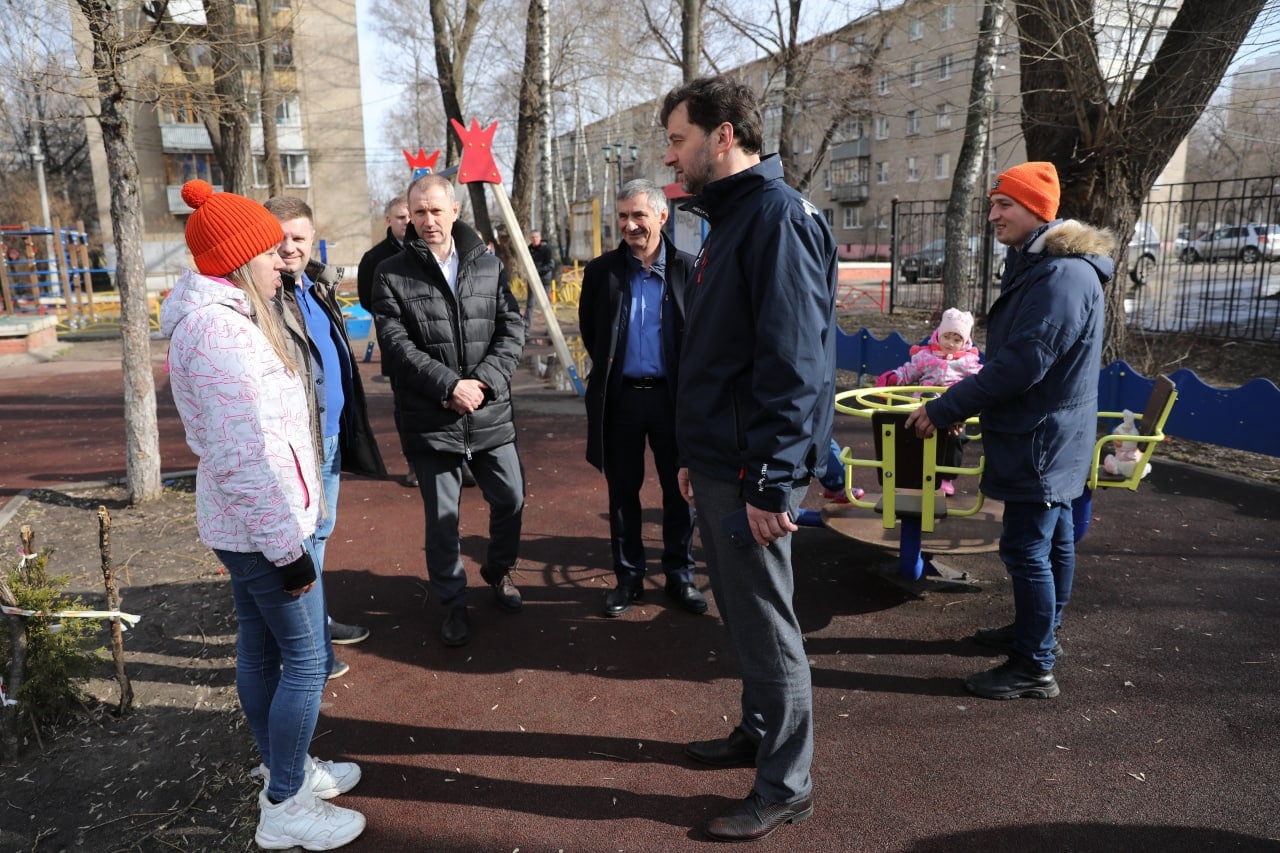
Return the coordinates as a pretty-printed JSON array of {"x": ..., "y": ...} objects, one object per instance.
[
  {"x": 1038, "y": 396},
  {"x": 754, "y": 410},
  {"x": 631, "y": 317}
]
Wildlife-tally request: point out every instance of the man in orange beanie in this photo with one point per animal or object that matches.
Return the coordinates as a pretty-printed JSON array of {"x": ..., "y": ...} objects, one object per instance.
[{"x": 1038, "y": 397}]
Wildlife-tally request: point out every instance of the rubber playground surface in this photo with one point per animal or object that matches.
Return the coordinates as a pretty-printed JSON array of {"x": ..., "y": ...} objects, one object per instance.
[{"x": 558, "y": 729}]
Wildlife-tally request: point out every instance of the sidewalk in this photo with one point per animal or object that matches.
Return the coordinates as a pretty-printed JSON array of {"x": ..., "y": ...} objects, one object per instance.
[{"x": 557, "y": 729}]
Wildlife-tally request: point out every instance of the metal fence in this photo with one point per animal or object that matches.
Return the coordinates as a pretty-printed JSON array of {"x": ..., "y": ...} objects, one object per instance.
[{"x": 1206, "y": 253}]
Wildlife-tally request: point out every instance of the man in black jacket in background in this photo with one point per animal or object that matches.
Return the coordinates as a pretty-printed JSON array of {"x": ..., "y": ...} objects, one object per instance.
[{"x": 631, "y": 315}]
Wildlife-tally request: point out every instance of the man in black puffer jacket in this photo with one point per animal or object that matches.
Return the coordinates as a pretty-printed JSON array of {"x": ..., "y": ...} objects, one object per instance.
[{"x": 451, "y": 335}]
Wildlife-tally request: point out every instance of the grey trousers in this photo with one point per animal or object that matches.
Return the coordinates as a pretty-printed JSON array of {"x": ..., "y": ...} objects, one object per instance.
[
  {"x": 754, "y": 587},
  {"x": 500, "y": 477}
]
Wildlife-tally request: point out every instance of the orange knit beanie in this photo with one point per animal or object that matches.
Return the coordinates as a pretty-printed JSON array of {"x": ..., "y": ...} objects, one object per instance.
[
  {"x": 227, "y": 230},
  {"x": 1033, "y": 185}
]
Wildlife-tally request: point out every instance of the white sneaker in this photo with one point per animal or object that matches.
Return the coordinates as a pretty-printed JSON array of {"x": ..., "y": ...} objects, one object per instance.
[
  {"x": 328, "y": 778},
  {"x": 306, "y": 822}
]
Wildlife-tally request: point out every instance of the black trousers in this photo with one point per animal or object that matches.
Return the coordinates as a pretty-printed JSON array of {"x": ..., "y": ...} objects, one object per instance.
[{"x": 633, "y": 417}]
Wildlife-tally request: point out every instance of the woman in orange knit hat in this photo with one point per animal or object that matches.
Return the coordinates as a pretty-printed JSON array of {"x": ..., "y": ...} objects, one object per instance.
[{"x": 244, "y": 408}]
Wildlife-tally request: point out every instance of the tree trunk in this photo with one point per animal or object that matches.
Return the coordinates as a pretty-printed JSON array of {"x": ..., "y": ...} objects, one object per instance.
[
  {"x": 451, "y": 46},
  {"x": 125, "y": 704},
  {"x": 1111, "y": 139},
  {"x": 141, "y": 432},
  {"x": 269, "y": 99},
  {"x": 966, "y": 183},
  {"x": 546, "y": 163},
  {"x": 690, "y": 38},
  {"x": 235, "y": 155},
  {"x": 529, "y": 110}
]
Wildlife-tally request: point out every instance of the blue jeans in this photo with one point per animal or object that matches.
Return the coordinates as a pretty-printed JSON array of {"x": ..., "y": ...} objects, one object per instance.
[
  {"x": 281, "y": 649},
  {"x": 1039, "y": 552},
  {"x": 754, "y": 588},
  {"x": 331, "y": 478}
]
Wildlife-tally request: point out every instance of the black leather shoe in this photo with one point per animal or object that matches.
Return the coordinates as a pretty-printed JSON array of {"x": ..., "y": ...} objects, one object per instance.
[
  {"x": 411, "y": 479},
  {"x": 618, "y": 600},
  {"x": 456, "y": 630},
  {"x": 753, "y": 818},
  {"x": 736, "y": 750},
  {"x": 687, "y": 596},
  {"x": 1002, "y": 638},
  {"x": 468, "y": 479},
  {"x": 506, "y": 594},
  {"x": 1016, "y": 678}
]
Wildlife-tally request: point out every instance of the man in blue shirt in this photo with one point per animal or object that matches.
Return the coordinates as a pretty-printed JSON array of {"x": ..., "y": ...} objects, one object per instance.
[
  {"x": 631, "y": 315},
  {"x": 339, "y": 420}
]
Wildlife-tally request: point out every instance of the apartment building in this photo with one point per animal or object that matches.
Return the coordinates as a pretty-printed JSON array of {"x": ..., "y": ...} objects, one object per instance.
[
  {"x": 900, "y": 79},
  {"x": 319, "y": 126}
]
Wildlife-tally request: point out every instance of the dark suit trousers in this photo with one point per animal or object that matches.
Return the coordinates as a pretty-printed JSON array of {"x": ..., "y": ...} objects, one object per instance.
[{"x": 632, "y": 416}]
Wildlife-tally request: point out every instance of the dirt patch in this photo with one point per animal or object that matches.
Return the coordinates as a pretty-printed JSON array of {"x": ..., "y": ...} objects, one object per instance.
[{"x": 172, "y": 775}]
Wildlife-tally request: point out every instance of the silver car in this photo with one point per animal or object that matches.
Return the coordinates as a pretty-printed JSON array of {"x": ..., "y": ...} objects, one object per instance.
[
  {"x": 1250, "y": 243},
  {"x": 1144, "y": 253}
]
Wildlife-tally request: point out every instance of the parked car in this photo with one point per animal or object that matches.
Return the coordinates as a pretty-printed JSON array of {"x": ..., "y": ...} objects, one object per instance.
[
  {"x": 1144, "y": 253},
  {"x": 927, "y": 261},
  {"x": 1249, "y": 243}
]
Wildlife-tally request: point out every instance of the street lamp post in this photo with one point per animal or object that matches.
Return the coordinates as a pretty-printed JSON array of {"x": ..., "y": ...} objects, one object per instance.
[{"x": 618, "y": 154}]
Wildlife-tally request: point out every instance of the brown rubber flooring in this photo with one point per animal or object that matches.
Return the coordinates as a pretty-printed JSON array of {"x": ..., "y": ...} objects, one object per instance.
[{"x": 558, "y": 729}]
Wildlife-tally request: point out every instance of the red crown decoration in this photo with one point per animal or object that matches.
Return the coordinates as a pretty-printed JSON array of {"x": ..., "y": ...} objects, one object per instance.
[
  {"x": 477, "y": 153},
  {"x": 420, "y": 163}
]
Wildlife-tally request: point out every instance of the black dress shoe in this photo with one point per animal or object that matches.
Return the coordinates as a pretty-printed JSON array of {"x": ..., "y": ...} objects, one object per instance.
[
  {"x": 754, "y": 818},
  {"x": 456, "y": 630},
  {"x": 1016, "y": 678},
  {"x": 1002, "y": 638},
  {"x": 618, "y": 600},
  {"x": 736, "y": 750},
  {"x": 506, "y": 595},
  {"x": 687, "y": 596}
]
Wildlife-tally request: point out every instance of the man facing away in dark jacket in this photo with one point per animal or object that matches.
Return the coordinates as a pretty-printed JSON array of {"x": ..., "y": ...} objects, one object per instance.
[
  {"x": 631, "y": 318},
  {"x": 451, "y": 334},
  {"x": 318, "y": 338}
]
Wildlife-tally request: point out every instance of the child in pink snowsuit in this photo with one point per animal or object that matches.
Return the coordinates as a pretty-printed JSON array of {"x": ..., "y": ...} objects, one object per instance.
[{"x": 948, "y": 357}]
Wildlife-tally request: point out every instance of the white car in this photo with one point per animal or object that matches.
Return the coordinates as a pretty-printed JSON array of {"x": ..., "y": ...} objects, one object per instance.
[{"x": 1250, "y": 243}]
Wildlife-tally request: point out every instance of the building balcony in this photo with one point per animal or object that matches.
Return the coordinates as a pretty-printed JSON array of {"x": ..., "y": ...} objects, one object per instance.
[
  {"x": 176, "y": 204},
  {"x": 850, "y": 193},
  {"x": 185, "y": 138}
]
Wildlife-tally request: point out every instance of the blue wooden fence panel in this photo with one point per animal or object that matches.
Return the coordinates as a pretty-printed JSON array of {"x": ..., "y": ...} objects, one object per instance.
[{"x": 1244, "y": 418}]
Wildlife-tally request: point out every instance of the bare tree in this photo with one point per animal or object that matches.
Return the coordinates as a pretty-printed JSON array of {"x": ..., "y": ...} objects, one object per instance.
[
  {"x": 531, "y": 116},
  {"x": 1111, "y": 133},
  {"x": 453, "y": 37},
  {"x": 269, "y": 98},
  {"x": 971, "y": 162},
  {"x": 113, "y": 52}
]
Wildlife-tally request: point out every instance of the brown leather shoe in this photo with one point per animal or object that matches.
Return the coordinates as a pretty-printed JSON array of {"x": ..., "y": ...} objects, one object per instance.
[
  {"x": 736, "y": 750},
  {"x": 753, "y": 818}
]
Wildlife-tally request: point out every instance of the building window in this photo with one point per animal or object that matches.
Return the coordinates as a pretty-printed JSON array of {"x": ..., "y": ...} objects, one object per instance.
[
  {"x": 850, "y": 170},
  {"x": 942, "y": 119},
  {"x": 913, "y": 122},
  {"x": 944, "y": 67},
  {"x": 947, "y": 17},
  {"x": 915, "y": 29},
  {"x": 808, "y": 145},
  {"x": 180, "y": 168},
  {"x": 917, "y": 73},
  {"x": 942, "y": 166},
  {"x": 178, "y": 109},
  {"x": 830, "y": 215},
  {"x": 296, "y": 167},
  {"x": 913, "y": 169},
  {"x": 882, "y": 172},
  {"x": 284, "y": 48},
  {"x": 882, "y": 127},
  {"x": 882, "y": 83},
  {"x": 826, "y": 179},
  {"x": 852, "y": 218}
]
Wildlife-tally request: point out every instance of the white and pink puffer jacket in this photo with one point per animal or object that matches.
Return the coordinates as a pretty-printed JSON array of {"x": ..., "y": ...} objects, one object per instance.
[
  {"x": 930, "y": 366},
  {"x": 246, "y": 418}
]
